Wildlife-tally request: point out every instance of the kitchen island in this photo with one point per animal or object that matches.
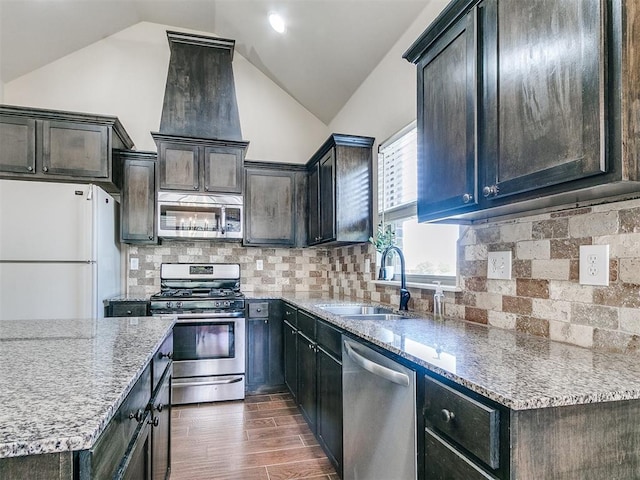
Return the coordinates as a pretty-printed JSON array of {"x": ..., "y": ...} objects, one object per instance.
[{"x": 63, "y": 381}]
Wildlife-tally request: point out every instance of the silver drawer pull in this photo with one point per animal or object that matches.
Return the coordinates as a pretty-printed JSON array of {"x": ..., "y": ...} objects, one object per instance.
[
  {"x": 447, "y": 415},
  {"x": 209, "y": 383}
]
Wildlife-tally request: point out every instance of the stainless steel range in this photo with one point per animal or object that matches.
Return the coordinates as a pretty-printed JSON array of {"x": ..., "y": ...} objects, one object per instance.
[{"x": 209, "y": 335}]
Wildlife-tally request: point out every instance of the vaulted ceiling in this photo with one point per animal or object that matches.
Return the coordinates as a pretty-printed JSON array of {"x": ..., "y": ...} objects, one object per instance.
[{"x": 329, "y": 48}]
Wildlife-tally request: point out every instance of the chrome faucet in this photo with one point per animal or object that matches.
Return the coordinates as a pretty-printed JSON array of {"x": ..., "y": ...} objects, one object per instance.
[{"x": 404, "y": 293}]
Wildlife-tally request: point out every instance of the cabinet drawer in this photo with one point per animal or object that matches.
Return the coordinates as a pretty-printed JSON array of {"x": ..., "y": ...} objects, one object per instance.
[
  {"x": 443, "y": 461},
  {"x": 259, "y": 310},
  {"x": 471, "y": 424},
  {"x": 307, "y": 325},
  {"x": 160, "y": 360},
  {"x": 329, "y": 338},
  {"x": 129, "y": 309},
  {"x": 290, "y": 315}
]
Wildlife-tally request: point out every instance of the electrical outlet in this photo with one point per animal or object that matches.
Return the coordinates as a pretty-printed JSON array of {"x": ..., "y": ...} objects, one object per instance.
[
  {"x": 367, "y": 265},
  {"x": 259, "y": 264},
  {"x": 499, "y": 265},
  {"x": 594, "y": 265},
  {"x": 133, "y": 263}
]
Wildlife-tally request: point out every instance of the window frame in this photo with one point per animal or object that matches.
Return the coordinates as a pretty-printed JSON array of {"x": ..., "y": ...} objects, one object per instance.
[{"x": 404, "y": 212}]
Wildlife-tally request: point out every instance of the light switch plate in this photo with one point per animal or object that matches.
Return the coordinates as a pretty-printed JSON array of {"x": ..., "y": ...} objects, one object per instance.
[
  {"x": 133, "y": 263},
  {"x": 499, "y": 265},
  {"x": 594, "y": 265},
  {"x": 259, "y": 264}
]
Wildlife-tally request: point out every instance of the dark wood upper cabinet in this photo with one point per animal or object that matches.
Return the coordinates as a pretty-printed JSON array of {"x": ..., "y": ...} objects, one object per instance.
[
  {"x": 37, "y": 144},
  {"x": 138, "y": 197},
  {"x": 274, "y": 203},
  {"x": 447, "y": 122},
  {"x": 223, "y": 169},
  {"x": 546, "y": 93},
  {"x": 199, "y": 164},
  {"x": 18, "y": 144},
  {"x": 543, "y": 102},
  {"x": 340, "y": 191}
]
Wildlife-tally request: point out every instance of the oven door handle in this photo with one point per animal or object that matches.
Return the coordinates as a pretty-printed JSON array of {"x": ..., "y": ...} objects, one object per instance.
[
  {"x": 208, "y": 318},
  {"x": 208, "y": 383}
]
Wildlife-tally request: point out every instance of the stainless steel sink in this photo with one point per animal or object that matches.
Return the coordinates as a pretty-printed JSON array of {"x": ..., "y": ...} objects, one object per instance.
[
  {"x": 375, "y": 316},
  {"x": 350, "y": 310}
]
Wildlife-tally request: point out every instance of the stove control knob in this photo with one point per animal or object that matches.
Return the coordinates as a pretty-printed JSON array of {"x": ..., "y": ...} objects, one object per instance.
[
  {"x": 179, "y": 304},
  {"x": 169, "y": 304},
  {"x": 227, "y": 303}
]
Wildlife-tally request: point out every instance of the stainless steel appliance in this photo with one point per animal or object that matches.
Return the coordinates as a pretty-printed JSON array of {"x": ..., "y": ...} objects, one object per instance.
[
  {"x": 59, "y": 250},
  {"x": 379, "y": 405},
  {"x": 199, "y": 216},
  {"x": 209, "y": 335}
]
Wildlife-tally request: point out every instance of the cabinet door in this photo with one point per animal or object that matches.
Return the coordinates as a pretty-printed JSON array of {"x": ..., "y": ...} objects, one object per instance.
[
  {"x": 276, "y": 349},
  {"x": 313, "y": 220},
  {"x": 327, "y": 196},
  {"x": 446, "y": 123},
  {"x": 290, "y": 346},
  {"x": 138, "y": 202},
  {"x": 330, "y": 406},
  {"x": 137, "y": 463},
  {"x": 17, "y": 144},
  {"x": 544, "y": 98},
  {"x": 75, "y": 149},
  {"x": 223, "y": 169},
  {"x": 161, "y": 432},
  {"x": 307, "y": 390},
  {"x": 179, "y": 166},
  {"x": 270, "y": 208},
  {"x": 258, "y": 352}
]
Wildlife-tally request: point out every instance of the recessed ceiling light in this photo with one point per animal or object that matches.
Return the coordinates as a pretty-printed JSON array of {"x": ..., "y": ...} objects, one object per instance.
[{"x": 277, "y": 22}]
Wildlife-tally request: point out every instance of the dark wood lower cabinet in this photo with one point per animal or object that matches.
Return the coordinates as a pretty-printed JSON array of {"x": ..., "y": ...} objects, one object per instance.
[
  {"x": 307, "y": 388},
  {"x": 137, "y": 463},
  {"x": 329, "y": 413},
  {"x": 161, "y": 431},
  {"x": 290, "y": 342},
  {"x": 264, "y": 368}
]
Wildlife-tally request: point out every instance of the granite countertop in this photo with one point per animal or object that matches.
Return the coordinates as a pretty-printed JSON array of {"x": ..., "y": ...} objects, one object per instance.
[
  {"x": 63, "y": 380},
  {"x": 517, "y": 370}
]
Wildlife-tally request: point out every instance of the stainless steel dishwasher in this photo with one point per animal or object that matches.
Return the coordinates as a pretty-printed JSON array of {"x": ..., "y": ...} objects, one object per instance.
[{"x": 379, "y": 409}]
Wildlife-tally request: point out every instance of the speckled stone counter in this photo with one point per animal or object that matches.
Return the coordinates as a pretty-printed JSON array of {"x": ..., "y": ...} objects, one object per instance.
[
  {"x": 517, "y": 370},
  {"x": 62, "y": 380}
]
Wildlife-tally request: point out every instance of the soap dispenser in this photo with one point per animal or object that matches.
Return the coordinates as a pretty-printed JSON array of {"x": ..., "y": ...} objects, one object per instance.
[{"x": 438, "y": 302}]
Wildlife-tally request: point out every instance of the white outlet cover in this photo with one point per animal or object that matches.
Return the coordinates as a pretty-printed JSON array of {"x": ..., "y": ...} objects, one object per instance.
[
  {"x": 259, "y": 264},
  {"x": 594, "y": 265},
  {"x": 133, "y": 263},
  {"x": 499, "y": 265}
]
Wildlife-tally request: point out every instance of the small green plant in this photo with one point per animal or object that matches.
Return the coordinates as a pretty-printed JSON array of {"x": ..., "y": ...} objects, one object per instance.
[{"x": 385, "y": 237}]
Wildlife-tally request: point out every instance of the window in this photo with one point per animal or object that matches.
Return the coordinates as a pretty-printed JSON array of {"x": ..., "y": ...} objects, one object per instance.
[{"x": 429, "y": 249}]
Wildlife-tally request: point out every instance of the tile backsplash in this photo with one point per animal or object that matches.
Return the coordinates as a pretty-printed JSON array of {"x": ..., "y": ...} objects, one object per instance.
[
  {"x": 543, "y": 297},
  {"x": 284, "y": 269}
]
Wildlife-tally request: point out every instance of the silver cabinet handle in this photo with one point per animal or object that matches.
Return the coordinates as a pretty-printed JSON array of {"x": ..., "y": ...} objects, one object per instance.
[
  {"x": 377, "y": 369},
  {"x": 30, "y": 168},
  {"x": 491, "y": 191},
  {"x": 45, "y": 169},
  {"x": 203, "y": 384},
  {"x": 467, "y": 197}
]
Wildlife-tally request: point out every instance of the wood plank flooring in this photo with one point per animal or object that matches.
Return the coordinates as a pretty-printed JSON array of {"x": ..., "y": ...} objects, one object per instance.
[{"x": 263, "y": 437}]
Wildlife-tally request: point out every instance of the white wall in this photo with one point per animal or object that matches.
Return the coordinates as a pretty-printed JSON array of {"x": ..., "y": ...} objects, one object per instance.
[
  {"x": 386, "y": 100},
  {"x": 125, "y": 74}
]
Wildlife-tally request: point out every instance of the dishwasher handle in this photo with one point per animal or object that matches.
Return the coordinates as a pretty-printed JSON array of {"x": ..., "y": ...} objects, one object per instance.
[{"x": 375, "y": 368}]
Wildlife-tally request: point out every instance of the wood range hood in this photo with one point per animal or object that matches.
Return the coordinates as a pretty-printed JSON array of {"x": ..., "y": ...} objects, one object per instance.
[{"x": 200, "y": 111}]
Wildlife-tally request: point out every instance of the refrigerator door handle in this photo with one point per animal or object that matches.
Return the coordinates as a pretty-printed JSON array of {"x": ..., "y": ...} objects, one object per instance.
[{"x": 90, "y": 192}]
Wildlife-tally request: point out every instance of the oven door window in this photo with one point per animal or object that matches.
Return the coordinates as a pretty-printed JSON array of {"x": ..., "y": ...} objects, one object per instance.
[{"x": 200, "y": 341}]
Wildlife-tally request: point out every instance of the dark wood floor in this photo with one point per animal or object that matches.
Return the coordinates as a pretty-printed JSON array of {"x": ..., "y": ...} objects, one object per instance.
[{"x": 263, "y": 437}]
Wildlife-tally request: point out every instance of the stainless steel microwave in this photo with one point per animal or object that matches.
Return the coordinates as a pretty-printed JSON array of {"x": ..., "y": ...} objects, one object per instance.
[{"x": 199, "y": 216}]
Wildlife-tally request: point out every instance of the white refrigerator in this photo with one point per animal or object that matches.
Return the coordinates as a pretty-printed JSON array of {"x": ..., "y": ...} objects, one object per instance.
[{"x": 59, "y": 250}]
